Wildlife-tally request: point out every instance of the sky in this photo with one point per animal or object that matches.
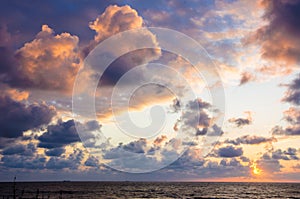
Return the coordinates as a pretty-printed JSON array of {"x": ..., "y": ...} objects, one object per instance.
[{"x": 150, "y": 90}]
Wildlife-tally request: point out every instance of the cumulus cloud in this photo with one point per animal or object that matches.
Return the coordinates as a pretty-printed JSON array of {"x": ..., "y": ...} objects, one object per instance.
[
  {"x": 293, "y": 93},
  {"x": 251, "y": 140},
  {"x": 141, "y": 154},
  {"x": 55, "y": 151},
  {"x": 140, "y": 146},
  {"x": 289, "y": 154},
  {"x": 292, "y": 116},
  {"x": 115, "y": 19},
  {"x": 266, "y": 163},
  {"x": 229, "y": 152},
  {"x": 15, "y": 94},
  {"x": 65, "y": 133},
  {"x": 136, "y": 146},
  {"x": 20, "y": 149},
  {"x": 26, "y": 156},
  {"x": 92, "y": 162},
  {"x": 191, "y": 165},
  {"x": 239, "y": 122},
  {"x": 196, "y": 117},
  {"x": 16, "y": 117},
  {"x": 24, "y": 162},
  {"x": 13, "y": 150},
  {"x": 279, "y": 38},
  {"x": 48, "y": 62},
  {"x": 270, "y": 161},
  {"x": 59, "y": 135},
  {"x": 189, "y": 160},
  {"x": 73, "y": 161}
]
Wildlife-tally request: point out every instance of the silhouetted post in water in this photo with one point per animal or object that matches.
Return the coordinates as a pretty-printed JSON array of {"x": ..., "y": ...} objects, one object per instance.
[
  {"x": 37, "y": 193},
  {"x": 60, "y": 195},
  {"x": 15, "y": 187},
  {"x": 22, "y": 194}
]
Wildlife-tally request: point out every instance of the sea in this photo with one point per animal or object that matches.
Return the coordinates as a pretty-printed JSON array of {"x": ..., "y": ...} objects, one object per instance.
[{"x": 95, "y": 190}]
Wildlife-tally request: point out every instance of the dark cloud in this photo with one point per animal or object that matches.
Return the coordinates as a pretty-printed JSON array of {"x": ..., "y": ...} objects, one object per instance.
[
  {"x": 176, "y": 106},
  {"x": 5, "y": 142},
  {"x": 252, "y": 140},
  {"x": 289, "y": 154},
  {"x": 57, "y": 163},
  {"x": 136, "y": 146},
  {"x": 16, "y": 117},
  {"x": 58, "y": 135},
  {"x": 280, "y": 37},
  {"x": 13, "y": 150},
  {"x": 215, "y": 131},
  {"x": 64, "y": 133},
  {"x": 125, "y": 63},
  {"x": 189, "y": 165},
  {"x": 292, "y": 117},
  {"x": 293, "y": 93},
  {"x": 55, "y": 151},
  {"x": 7, "y": 59},
  {"x": 27, "y": 157},
  {"x": 195, "y": 116},
  {"x": 23, "y": 162},
  {"x": 292, "y": 130},
  {"x": 240, "y": 122},
  {"x": 18, "y": 148},
  {"x": 246, "y": 77},
  {"x": 188, "y": 160},
  {"x": 244, "y": 159},
  {"x": 197, "y": 104},
  {"x": 233, "y": 162},
  {"x": 92, "y": 162},
  {"x": 270, "y": 161},
  {"x": 70, "y": 162},
  {"x": 229, "y": 152},
  {"x": 202, "y": 131}
]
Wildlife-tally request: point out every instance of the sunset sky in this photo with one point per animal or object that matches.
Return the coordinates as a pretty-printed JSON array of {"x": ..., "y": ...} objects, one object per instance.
[{"x": 250, "y": 52}]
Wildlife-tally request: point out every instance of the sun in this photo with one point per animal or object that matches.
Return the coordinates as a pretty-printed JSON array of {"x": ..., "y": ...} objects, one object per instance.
[{"x": 255, "y": 169}]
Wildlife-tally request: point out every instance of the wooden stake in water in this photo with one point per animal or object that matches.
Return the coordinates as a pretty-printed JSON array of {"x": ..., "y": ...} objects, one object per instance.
[{"x": 15, "y": 187}]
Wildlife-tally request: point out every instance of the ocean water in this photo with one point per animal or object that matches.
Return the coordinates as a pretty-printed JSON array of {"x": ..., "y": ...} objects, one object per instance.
[{"x": 93, "y": 190}]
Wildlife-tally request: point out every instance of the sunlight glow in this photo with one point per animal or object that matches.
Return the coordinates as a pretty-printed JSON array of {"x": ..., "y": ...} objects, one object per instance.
[{"x": 255, "y": 169}]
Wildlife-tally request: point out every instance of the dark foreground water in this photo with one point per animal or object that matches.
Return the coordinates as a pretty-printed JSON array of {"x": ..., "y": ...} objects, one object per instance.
[{"x": 94, "y": 190}]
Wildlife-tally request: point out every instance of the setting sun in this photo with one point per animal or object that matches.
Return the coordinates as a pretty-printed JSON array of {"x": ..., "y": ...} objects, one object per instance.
[{"x": 255, "y": 169}]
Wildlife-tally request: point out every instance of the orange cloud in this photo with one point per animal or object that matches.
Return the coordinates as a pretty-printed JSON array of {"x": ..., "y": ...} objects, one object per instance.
[
  {"x": 115, "y": 19},
  {"x": 48, "y": 62},
  {"x": 15, "y": 94}
]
